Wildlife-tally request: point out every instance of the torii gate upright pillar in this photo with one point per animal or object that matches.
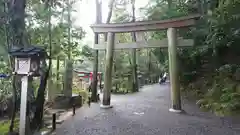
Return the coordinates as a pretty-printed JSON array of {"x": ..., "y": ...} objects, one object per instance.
[
  {"x": 106, "y": 102},
  {"x": 173, "y": 70}
]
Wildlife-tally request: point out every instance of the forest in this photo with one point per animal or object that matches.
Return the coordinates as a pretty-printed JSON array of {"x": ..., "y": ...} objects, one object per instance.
[{"x": 209, "y": 71}]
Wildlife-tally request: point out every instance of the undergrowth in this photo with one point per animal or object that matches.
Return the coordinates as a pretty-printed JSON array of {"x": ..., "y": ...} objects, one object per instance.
[
  {"x": 221, "y": 94},
  {"x": 4, "y": 126}
]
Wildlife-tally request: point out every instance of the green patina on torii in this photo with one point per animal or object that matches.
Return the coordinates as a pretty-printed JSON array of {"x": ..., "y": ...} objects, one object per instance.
[{"x": 171, "y": 42}]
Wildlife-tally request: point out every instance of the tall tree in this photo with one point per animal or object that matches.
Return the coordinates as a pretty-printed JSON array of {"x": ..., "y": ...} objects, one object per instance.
[
  {"x": 17, "y": 16},
  {"x": 50, "y": 79},
  {"x": 36, "y": 122},
  {"x": 16, "y": 11},
  {"x": 110, "y": 11},
  {"x": 99, "y": 20},
  {"x": 96, "y": 40},
  {"x": 69, "y": 63},
  {"x": 134, "y": 61}
]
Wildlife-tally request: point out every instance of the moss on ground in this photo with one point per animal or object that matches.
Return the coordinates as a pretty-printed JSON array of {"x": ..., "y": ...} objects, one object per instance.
[{"x": 4, "y": 126}]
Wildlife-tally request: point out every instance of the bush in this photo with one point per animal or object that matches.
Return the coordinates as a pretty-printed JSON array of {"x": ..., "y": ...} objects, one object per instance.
[
  {"x": 223, "y": 98},
  {"x": 4, "y": 126},
  {"x": 84, "y": 94},
  {"x": 122, "y": 85}
]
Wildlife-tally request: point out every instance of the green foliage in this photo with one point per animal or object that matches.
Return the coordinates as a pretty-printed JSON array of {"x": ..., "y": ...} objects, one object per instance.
[
  {"x": 208, "y": 70},
  {"x": 87, "y": 52},
  {"x": 37, "y": 33},
  {"x": 222, "y": 94},
  {"x": 122, "y": 60},
  {"x": 79, "y": 91},
  {"x": 122, "y": 85},
  {"x": 223, "y": 98},
  {"x": 4, "y": 126},
  {"x": 5, "y": 83},
  {"x": 84, "y": 94}
]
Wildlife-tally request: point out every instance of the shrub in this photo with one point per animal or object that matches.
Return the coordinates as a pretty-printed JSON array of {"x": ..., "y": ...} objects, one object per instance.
[{"x": 223, "y": 98}]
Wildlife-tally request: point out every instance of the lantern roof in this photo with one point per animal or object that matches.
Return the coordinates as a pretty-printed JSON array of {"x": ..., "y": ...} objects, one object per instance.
[{"x": 32, "y": 51}]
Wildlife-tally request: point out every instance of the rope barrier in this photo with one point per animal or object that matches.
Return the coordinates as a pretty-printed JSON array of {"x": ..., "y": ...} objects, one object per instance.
[{"x": 3, "y": 76}]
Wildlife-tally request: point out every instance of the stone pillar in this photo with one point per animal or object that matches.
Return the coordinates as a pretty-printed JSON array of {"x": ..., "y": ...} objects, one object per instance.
[
  {"x": 23, "y": 106},
  {"x": 67, "y": 91},
  {"x": 108, "y": 72},
  {"x": 173, "y": 70}
]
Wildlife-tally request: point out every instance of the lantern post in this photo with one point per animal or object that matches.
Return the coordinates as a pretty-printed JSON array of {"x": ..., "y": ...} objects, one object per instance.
[{"x": 28, "y": 62}]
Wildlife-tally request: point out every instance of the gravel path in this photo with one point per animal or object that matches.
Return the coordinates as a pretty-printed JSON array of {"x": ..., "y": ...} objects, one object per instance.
[{"x": 146, "y": 113}]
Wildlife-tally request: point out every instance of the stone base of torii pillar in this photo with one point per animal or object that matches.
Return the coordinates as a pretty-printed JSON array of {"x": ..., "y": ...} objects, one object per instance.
[
  {"x": 106, "y": 106},
  {"x": 175, "y": 111}
]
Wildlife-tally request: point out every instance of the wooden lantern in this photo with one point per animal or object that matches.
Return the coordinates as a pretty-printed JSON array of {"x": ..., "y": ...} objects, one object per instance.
[{"x": 28, "y": 61}]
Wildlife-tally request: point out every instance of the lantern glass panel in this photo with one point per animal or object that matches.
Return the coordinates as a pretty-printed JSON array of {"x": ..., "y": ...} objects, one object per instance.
[
  {"x": 34, "y": 65},
  {"x": 23, "y": 65},
  {"x": 42, "y": 64}
]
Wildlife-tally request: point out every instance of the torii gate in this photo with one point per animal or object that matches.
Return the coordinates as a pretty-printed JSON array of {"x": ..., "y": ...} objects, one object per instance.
[{"x": 171, "y": 42}]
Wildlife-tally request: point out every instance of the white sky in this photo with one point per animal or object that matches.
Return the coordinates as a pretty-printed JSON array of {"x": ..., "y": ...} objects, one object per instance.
[{"x": 85, "y": 14}]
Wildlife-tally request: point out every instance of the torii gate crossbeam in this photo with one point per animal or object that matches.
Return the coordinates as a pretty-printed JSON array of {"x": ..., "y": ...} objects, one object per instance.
[{"x": 145, "y": 44}]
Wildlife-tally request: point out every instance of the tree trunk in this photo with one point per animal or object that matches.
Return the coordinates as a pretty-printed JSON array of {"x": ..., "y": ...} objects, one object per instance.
[
  {"x": 50, "y": 79},
  {"x": 58, "y": 74},
  {"x": 68, "y": 78},
  {"x": 69, "y": 31},
  {"x": 99, "y": 20},
  {"x": 149, "y": 65},
  {"x": 37, "y": 120},
  {"x": 110, "y": 6},
  {"x": 200, "y": 6},
  {"x": 50, "y": 91},
  {"x": 169, "y": 3},
  {"x": 14, "y": 107},
  {"x": 95, "y": 73},
  {"x": 36, "y": 123},
  {"x": 16, "y": 12},
  {"x": 134, "y": 61},
  {"x": 17, "y": 16},
  {"x": 69, "y": 64},
  {"x": 95, "y": 66}
]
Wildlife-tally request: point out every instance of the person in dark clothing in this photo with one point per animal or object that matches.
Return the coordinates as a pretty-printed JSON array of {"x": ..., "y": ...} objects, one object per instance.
[
  {"x": 90, "y": 87},
  {"x": 163, "y": 78}
]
